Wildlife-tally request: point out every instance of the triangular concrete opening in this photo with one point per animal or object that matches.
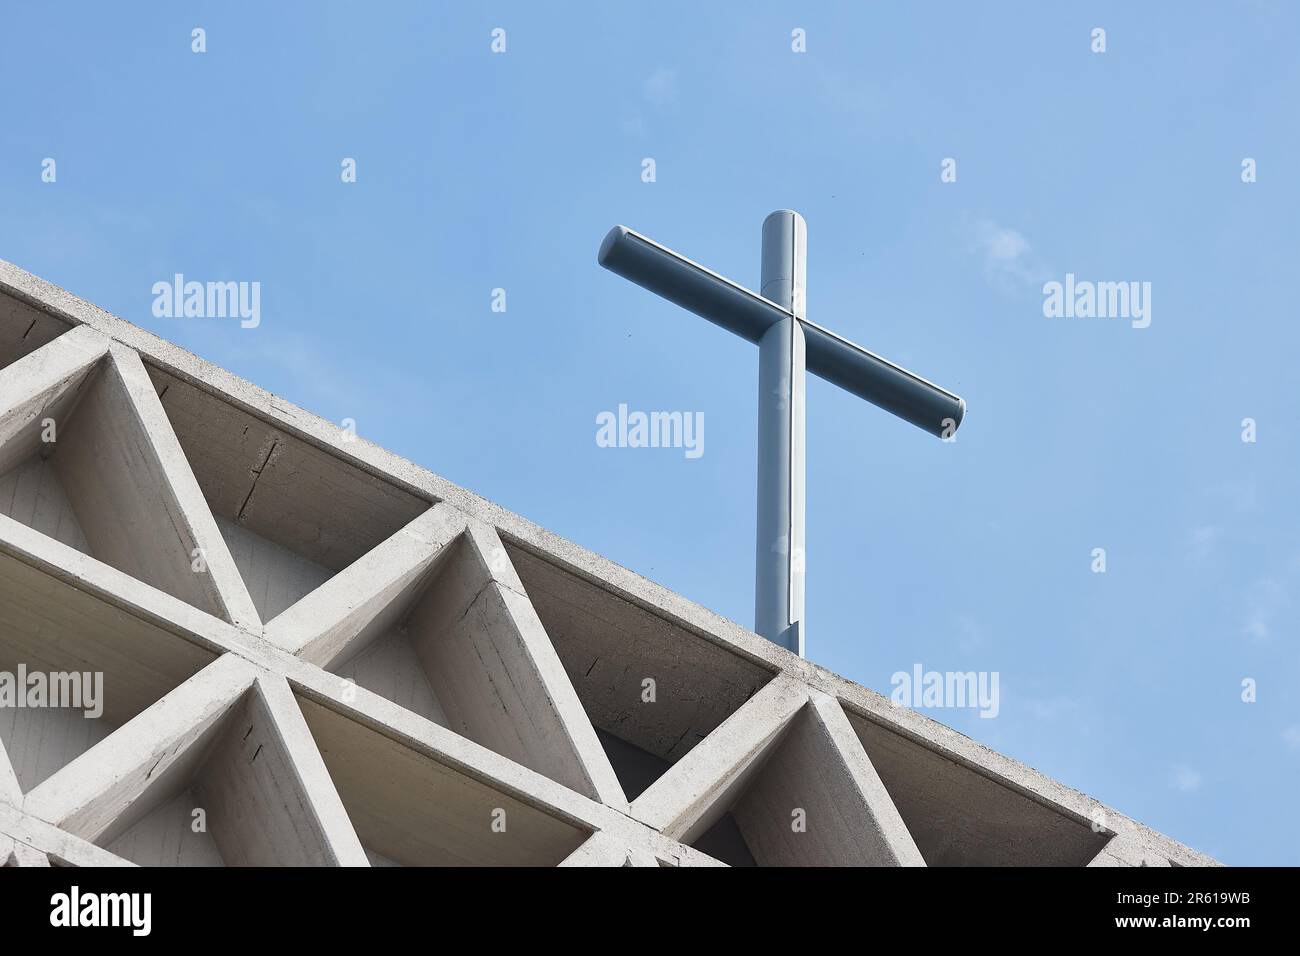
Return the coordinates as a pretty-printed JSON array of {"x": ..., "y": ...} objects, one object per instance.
[
  {"x": 454, "y": 640},
  {"x": 137, "y": 663},
  {"x": 212, "y": 775},
  {"x": 32, "y": 493},
  {"x": 959, "y": 816},
  {"x": 84, "y": 459},
  {"x": 790, "y": 773},
  {"x": 643, "y": 679},
  {"x": 408, "y": 809},
  {"x": 24, "y": 328},
  {"x": 637, "y": 769},
  {"x": 292, "y": 514}
]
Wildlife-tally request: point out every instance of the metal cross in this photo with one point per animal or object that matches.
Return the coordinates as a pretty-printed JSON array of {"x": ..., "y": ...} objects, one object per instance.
[{"x": 788, "y": 345}]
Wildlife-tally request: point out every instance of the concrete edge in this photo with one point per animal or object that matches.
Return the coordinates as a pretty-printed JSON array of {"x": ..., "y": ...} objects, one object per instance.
[
  {"x": 689, "y": 792},
  {"x": 548, "y": 670},
  {"x": 312, "y": 777},
  {"x": 874, "y": 798},
  {"x": 227, "y": 587}
]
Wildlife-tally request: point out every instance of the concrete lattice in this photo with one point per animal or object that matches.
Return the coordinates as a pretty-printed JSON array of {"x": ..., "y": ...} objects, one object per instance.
[{"x": 326, "y": 655}]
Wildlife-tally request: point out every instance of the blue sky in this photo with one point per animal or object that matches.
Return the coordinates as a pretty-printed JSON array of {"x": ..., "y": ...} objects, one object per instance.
[{"x": 479, "y": 171}]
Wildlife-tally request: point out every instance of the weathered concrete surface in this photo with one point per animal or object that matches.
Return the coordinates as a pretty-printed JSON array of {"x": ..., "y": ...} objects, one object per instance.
[
  {"x": 133, "y": 496},
  {"x": 276, "y": 577},
  {"x": 106, "y": 790},
  {"x": 45, "y": 385},
  {"x": 372, "y": 594},
  {"x": 283, "y": 489},
  {"x": 496, "y": 676},
  {"x": 269, "y": 799},
  {"x": 601, "y": 849},
  {"x": 139, "y": 661},
  {"x": 32, "y": 493},
  {"x": 610, "y": 647},
  {"x": 961, "y": 817},
  {"x": 182, "y": 495},
  {"x": 418, "y": 812},
  {"x": 702, "y": 786},
  {"x": 166, "y": 836},
  {"x": 389, "y": 667},
  {"x": 25, "y": 328},
  {"x": 229, "y": 744},
  {"x": 1128, "y": 849},
  {"x": 819, "y": 802},
  {"x": 11, "y": 790},
  {"x": 60, "y": 847},
  {"x": 24, "y": 855}
]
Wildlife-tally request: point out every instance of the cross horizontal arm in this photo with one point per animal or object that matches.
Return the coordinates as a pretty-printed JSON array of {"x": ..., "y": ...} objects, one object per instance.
[{"x": 749, "y": 315}]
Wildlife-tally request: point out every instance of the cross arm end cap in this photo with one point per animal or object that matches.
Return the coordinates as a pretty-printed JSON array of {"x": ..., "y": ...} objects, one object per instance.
[{"x": 607, "y": 244}]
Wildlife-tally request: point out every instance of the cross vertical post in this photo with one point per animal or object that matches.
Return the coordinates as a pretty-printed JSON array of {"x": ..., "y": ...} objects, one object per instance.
[{"x": 779, "y": 550}]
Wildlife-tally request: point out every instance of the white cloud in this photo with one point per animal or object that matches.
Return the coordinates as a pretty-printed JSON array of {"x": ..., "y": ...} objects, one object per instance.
[
  {"x": 1009, "y": 260},
  {"x": 1186, "y": 779},
  {"x": 661, "y": 87},
  {"x": 1264, "y": 600}
]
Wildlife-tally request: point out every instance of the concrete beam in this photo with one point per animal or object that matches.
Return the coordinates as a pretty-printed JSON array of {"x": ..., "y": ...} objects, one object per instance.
[
  {"x": 134, "y": 497},
  {"x": 44, "y": 384},
  {"x": 495, "y": 675},
  {"x": 610, "y": 646},
  {"x": 309, "y": 770},
  {"x": 25, "y": 328},
  {"x": 603, "y": 849},
  {"x": 819, "y": 802},
  {"x": 10, "y": 791},
  {"x": 688, "y": 799},
  {"x": 269, "y": 798},
  {"x": 26, "y": 855},
  {"x": 682, "y": 855},
  {"x": 103, "y": 792},
  {"x": 1128, "y": 848},
  {"x": 140, "y": 660},
  {"x": 455, "y": 751},
  {"x": 60, "y": 847},
  {"x": 234, "y": 742},
  {"x": 418, "y": 812},
  {"x": 316, "y": 503},
  {"x": 368, "y": 597},
  {"x": 563, "y": 745},
  {"x": 110, "y": 600},
  {"x": 231, "y": 595},
  {"x": 960, "y": 816}
]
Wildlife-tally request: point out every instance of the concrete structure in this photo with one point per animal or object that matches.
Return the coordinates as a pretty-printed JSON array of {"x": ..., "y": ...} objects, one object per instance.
[{"x": 315, "y": 652}]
